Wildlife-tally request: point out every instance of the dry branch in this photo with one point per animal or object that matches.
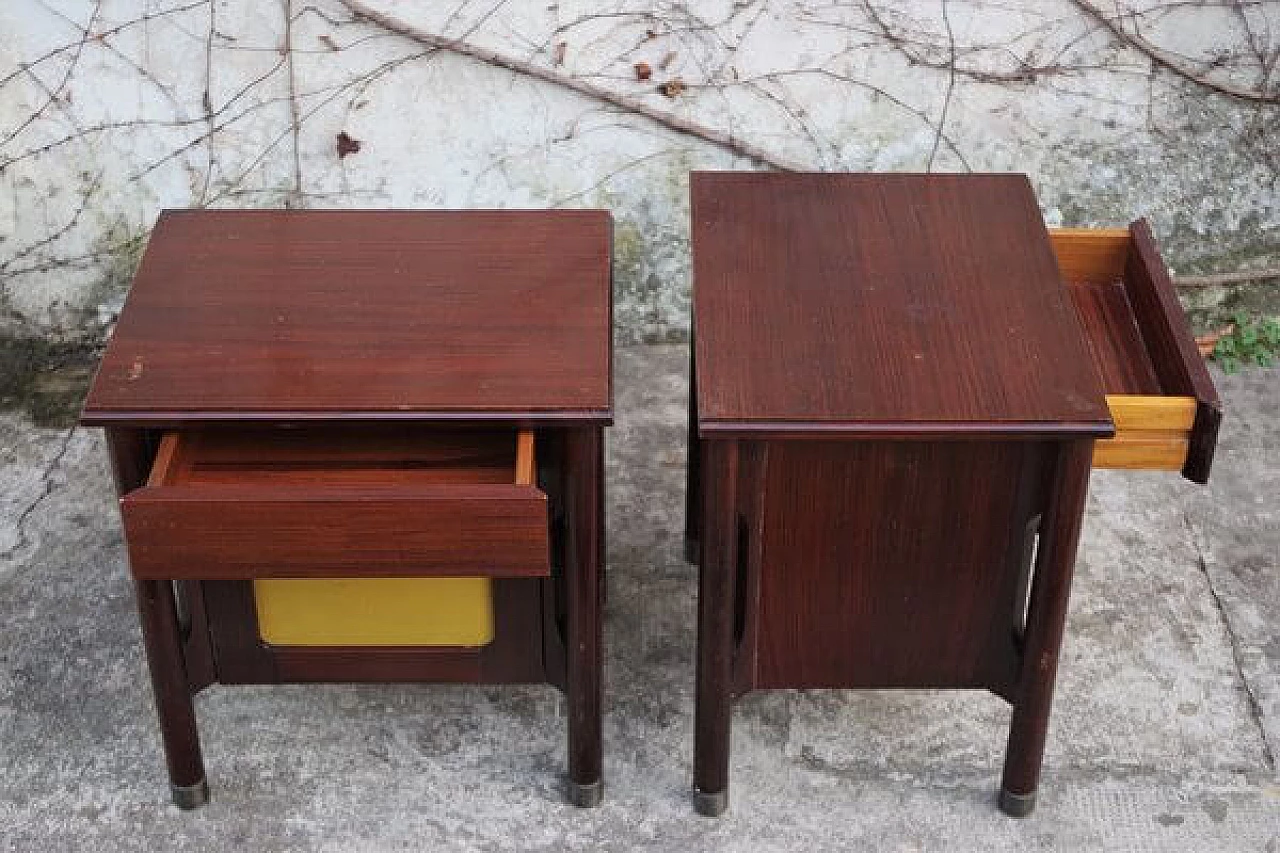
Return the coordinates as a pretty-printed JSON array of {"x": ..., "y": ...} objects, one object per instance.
[
  {"x": 1225, "y": 278},
  {"x": 727, "y": 141},
  {"x": 1172, "y": 63},
  {"x": 294, "y": 107}
]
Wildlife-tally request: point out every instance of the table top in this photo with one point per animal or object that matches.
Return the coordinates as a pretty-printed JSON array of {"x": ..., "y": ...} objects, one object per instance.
[
  {"x": 339, "y": 315},
  {"x": 884, "y": 305}
]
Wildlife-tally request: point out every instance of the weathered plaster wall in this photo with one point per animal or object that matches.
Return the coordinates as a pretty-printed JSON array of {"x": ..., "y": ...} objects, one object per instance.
[{"x": 112, "y": 110}]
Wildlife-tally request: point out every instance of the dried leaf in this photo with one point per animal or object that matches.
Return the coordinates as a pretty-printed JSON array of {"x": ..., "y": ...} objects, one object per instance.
[
  {"x": 347, "y": 145},
  {"x": 557, "y": 53},
  {"x": 672, "y": 87},
  {"x": 327, "y": 41},
  {"x": 667, "y": 60},
  {"x": 643, "y": 71},
  {"x": 1206, "y": 342}
]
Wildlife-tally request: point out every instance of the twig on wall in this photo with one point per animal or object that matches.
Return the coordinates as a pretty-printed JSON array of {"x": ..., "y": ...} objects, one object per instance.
[
  {"x": 1171, "y": 62},
  {"x": 206, "y": 103},
  {"x": 54, "y": 93},
  {"x": 951, "y": 85},
  {"x": 295, "y": 123},
  {"x": 728, "y": 141}
]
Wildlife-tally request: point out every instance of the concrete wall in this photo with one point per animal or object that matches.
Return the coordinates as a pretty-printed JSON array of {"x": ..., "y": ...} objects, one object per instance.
[{"x": 112, "y": 110}]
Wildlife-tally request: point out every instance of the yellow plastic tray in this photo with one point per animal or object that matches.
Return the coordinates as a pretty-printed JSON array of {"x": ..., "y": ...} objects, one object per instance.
[{"x": 375, "y": 611}]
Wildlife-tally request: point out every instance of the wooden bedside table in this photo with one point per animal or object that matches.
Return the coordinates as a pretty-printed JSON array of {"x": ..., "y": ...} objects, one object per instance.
[
  {"x": 365, "y": 446},
  {"x": 896, "y": 403}
]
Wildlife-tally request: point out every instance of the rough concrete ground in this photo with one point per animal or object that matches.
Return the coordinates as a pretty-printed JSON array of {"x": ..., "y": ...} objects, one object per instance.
[{"x": 1165, "y": 731}]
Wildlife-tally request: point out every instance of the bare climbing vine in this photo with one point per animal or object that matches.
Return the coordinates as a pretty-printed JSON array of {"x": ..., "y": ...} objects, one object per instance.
[{"x": 256, "y": 104}]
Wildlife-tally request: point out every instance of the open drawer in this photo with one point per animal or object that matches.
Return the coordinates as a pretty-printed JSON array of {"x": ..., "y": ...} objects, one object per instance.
[
  {"x": 1161, "y": 396},
  {"x": 353, "y": 502}
]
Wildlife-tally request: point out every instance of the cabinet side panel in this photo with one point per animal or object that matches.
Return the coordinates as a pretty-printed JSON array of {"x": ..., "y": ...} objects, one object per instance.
[{"x": 894, "y": 564}]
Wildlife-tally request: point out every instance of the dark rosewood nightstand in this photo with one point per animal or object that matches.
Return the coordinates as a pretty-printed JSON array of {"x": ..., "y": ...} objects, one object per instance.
[
  {"x": 899, "y": 392},
  {"x": 365, "y": 446}
]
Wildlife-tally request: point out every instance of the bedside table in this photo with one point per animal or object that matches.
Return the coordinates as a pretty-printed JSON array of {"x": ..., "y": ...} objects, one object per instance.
[
  {"x": 900, "y": 384},
  {"x": 365, "y": 446}
]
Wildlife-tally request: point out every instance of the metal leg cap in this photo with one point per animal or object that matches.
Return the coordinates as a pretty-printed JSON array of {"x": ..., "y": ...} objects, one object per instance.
[
  {"x": 189, "y": 797},
  {"x": 586, "y": 795},
  {"x": 1017, "y": 805},
  {"x": 710, "y": 804}
]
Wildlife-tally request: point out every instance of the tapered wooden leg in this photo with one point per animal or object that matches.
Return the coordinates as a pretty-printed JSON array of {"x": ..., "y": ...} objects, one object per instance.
[
  {"x": 714, "y": 711},
  {"x": 163, "y": 641},
  {"x": 693, "y": 471},
  {"x": 1046, "y": 619},
  {"x": 584, "y": 460},
  {"x": 131, "y": 452}
]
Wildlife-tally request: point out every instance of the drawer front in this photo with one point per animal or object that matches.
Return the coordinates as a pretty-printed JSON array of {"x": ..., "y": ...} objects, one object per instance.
[
  {"x": 1160, "y": 393},
  {"x": 246, "y": 505},
  {"x": 229, "y": 532}
]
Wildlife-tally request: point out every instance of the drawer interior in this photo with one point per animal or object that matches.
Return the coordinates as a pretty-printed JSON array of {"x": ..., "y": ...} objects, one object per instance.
[
  {"x": 331, "y": 456},
  {"x": 1161, "y": 396}
]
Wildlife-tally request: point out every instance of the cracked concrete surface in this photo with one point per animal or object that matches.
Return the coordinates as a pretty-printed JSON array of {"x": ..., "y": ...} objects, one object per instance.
[{"x": 1164, "y": 737}]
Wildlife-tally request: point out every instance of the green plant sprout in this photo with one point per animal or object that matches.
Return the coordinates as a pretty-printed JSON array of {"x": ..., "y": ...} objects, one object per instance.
[{"x": 1250, "y": 341}]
